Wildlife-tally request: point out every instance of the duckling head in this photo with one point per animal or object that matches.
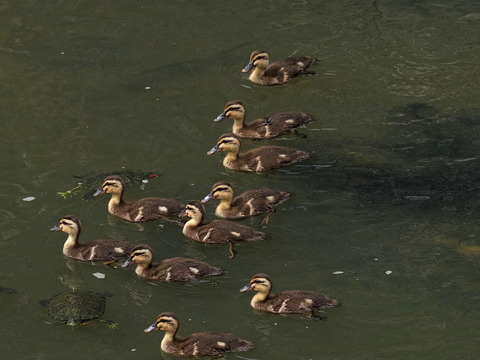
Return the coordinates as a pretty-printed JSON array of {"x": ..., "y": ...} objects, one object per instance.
[
  {"x": 141, "y": 254},
  {"x": 195, "y": 210},
  {"x": 226, "y": 142},
  {"x": 259, "y": 282},
  {"x": 69, "y": 224},
  {"x": 220, "y": 190},
  {"x": 112, "y": 184},
  {"x": 257, "y": 59},
  {"x": 233, "y": 109},
  {"x": 166, "y": 321}
]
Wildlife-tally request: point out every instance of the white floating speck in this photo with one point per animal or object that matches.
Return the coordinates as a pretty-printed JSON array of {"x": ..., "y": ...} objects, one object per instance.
[
  {"x": 29, "y": 198},
  {"x": 338, "y": 273},
  {"x": 133, "y": 350},
  {"x": 388, "y": 272},
  {"x": 144, "y": 181},
  {"x": 99, "y": 275},
  {"x": 147, "y": 87}
]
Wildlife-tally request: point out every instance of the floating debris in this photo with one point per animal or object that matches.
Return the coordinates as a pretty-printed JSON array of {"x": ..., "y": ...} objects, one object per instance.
[
  {"x": 99, "y": 275},
  {"x": 29, "y": 198}
]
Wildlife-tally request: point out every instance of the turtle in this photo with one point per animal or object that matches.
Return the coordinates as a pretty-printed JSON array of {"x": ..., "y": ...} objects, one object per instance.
[{"x": 77, "y": 307}]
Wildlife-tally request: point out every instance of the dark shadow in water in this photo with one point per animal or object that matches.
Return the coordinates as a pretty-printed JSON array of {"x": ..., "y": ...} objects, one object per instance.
[{"x": 427, "y": 155}]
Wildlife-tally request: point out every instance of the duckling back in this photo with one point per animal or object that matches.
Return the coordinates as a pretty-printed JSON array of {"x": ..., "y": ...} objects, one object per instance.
[
  {"x": 210, "y": 344},
  {"x": 295, "y": 302},
  {"x": 266, "y": 158}
]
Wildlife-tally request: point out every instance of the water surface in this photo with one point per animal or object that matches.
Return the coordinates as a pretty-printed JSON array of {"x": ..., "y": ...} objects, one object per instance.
[{"x": 389, "y": 197}]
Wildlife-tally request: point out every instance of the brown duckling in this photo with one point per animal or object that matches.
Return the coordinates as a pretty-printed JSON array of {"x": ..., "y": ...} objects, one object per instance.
[
  {"x": 249, "y": 203},
  {"x": 107, "y": 250},
  {"x": 278, "y": 72},
  {"x": 216, "y": 231},
  {"x": 173, "y": 269},
  {"x": 146, "y": 209},
  {"x": 260, "y": 159},
  {"x": 266, "y": 128},
  {"x": 286, "y": 302},
  {"x": 204, "y": 344}
]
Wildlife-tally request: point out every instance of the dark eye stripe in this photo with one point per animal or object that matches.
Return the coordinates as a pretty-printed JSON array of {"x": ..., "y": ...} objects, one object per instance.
[{"x": 221, "y": 189}]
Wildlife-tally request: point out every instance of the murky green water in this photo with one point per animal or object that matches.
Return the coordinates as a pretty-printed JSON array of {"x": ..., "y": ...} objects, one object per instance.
[{"x": 90, "y": 87}]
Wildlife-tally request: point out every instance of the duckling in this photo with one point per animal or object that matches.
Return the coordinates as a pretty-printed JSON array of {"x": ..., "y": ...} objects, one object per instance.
[
  {"x": 216, "y": 231},
  {"x": 249, "y": 203},
  {"x": 204, "y": 344},
  {"x": 146, "y": 209},
  {"x": 98, "y": 250},
  {"x": 173, "y": 269},
  {"x": 286, "y": 302},
  {"x": 278, "y": 72},
  {"x": 266, "y": 128},
  {"x": 260, "y": 159}
]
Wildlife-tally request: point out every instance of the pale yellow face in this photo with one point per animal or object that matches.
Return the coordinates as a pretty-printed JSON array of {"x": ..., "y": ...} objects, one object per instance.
[
  {"x": 222, "y": 192},
  {"x": 141, "y": 256},
  {"x": 112, "y": 186},
  {"x": 260, "y": 60},
  {"x": 229, "y": 144},
  {"x": 166, "y": 323},
  {"x": 260, "y": 284},
  {"x": 235, "y": 111},
  {"x": 67, "y": 225},
  {"x": 192, "y": 211}
]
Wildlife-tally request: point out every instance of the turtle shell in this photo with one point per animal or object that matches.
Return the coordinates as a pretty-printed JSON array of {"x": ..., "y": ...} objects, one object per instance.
[{"x": 76, "y": 307}]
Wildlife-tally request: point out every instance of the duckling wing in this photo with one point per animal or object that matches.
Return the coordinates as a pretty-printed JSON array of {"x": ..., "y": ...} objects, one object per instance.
[
  {"x": 299, "y": 301},
  {"x": 147, "y": 209},
  {"x": 101, "y": 250},
  {"x": 254, "y": 202},
  {"x": 183, "y": 269},
  {"x": 271, "y": 157},
  {"x": 213, "y": 344},
  {"x": 223, "y": 231}
]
